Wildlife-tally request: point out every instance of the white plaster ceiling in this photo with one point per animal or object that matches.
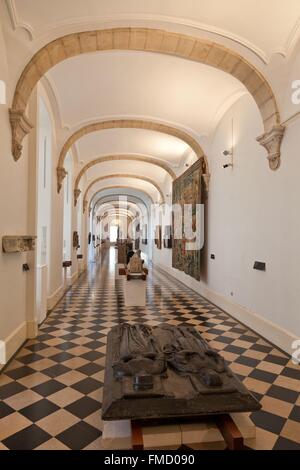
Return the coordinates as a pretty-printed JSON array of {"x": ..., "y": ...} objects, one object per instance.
[
  {"x": 119, "y": 207},
  {"x": 138, "y": 85},
  {"x": 131, "y": 141},
  {"x": 265, "y": 26},
  {"x": 138, "y": 185},
  {"x": 140, "y": 197},
  {"x": 148, "y": 170},
  {"x": 141, "y": 84}
]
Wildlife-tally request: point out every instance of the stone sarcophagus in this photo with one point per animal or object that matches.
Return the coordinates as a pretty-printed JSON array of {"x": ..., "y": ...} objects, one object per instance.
[{"x": 168, "y": 372}]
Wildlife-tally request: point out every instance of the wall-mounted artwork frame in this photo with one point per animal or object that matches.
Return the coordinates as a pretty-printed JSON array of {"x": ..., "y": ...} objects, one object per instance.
[
  {"x": 187, "y": 190},
  {"x": 168, "y": 237},
  {"x": 145, "y": 234},
  {"x": 158, "y": 240}
]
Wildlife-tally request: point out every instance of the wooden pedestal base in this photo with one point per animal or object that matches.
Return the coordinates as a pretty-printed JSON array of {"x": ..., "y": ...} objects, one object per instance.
[{"x": 229, "y": 430}]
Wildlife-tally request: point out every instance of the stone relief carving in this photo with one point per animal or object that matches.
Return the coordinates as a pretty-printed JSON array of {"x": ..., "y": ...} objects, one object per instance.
[
  {"x": 166, "y": 371},
  {"x": 20, "y": 126},
  {"x": 77, "y": 193},
  {"x": 61, "y": 174},
  {"x": 271, "y": 141},
  {"x": 18, "y": 243}
]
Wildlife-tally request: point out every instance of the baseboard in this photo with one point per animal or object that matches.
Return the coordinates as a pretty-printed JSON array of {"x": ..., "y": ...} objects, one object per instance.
[
  {"x": 274, "y": 333},
  {"x": 72, "y": 279},
  {"x": 55, "y": 297},
  {"x": 14, "y": 341},
  {"x": 277, "y": 335},
  {"x": 32, "y": 329}
]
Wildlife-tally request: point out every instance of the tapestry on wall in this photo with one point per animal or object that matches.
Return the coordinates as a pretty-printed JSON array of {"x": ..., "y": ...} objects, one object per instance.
[{"x": 187, "y": 190}]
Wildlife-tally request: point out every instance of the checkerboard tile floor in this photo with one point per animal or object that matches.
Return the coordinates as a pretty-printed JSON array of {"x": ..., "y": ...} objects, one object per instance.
[{"x": 51, "y": 393}]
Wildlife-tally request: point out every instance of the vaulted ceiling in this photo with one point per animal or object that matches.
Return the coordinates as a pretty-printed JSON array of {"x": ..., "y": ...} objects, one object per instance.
[
  {"x": 115, "y": 84},
  {"x": 267, "y": 26}
]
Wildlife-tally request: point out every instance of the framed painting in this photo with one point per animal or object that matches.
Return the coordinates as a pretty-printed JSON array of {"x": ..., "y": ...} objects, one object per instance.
[
  {"x": 158, "y": 240},
  {"x": 145, "y": 234},
  {"x": 168, "y": 237}
]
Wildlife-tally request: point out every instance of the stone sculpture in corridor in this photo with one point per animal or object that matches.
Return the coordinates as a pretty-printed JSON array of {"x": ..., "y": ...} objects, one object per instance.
[{"x": 165, "y": 372}]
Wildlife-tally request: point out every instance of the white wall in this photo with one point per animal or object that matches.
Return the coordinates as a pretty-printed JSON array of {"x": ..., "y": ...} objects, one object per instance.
[
  {"x": 13, "y": 220},
  {"x": 252, "y": 214}
]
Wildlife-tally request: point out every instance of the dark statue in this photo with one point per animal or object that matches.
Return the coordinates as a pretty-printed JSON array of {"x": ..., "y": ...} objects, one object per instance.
[{"x": 165, "y": 372}]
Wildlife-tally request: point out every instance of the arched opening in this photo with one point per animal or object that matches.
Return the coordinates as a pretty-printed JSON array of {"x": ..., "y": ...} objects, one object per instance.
[{"x": 149, "y": 40}]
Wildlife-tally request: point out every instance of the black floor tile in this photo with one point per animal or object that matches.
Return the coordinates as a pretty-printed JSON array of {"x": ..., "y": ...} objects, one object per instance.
[
  {"x": 295, "y": 414},
  {"x": 56, "y": 371},
  {"x": 48, "y": 388},
  {"x": 10, "y": 389},
  {"x": 281, "y": 361},
  {"x": 263, "y": 376},
  {"x": 90, "y": 369},
  {"x": 87, "y": 386},
  {"x": 286, "y": 444},
  {"x": 291, "y": 373},
  {"x": 39, "y": 410},
  {"x": 27, "y": 439},
  {"x": 83, "y": 407},
  {"x": 268, "y": 421},
  {"x": 61, "y": 357},
  {"x": 79, "y": 436},
  {"x": 247, "y": 361},
  {"x": 283, "y": 394},
  {"x": 20, "y": 372},
  {"x": 5, "y": 410},
  {"x": 30, "y": 358}
]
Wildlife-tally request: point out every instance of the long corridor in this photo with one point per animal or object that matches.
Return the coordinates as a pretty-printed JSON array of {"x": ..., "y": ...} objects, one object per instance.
[{"x": 51, "y": 392}]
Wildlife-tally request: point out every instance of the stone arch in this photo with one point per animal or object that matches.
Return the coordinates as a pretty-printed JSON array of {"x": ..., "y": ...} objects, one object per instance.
[
  {"x": 148, "y": 40},
  {"x": 131, "y": 199},
  {"x": 108, "y": 158},
  {"x": 117, "y": 175},
  {"x": 128, "y": 124},
  {"x": 86, "y": 202}
]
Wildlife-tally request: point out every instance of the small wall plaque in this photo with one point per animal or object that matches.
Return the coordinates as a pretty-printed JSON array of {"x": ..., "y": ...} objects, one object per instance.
[
  {"x": 18, "y": 243},
  {"x": 79, "y": 256},
  {"x": 259, "y": 266},
  {"x": 67, "y": 264}
]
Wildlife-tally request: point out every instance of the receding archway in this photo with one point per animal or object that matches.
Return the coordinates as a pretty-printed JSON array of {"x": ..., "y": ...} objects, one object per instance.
[
  {"x": 86, "y": 202},
  {"x": 138, "y": 158},
  {"x": 148, "y": 40},
  {"x": 77, "y": 192},
  {"x": 129, "y": 124}
]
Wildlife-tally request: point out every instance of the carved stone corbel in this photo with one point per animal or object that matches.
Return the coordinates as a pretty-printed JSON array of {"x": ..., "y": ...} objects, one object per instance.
[
  {"x": 85, "y": 205},
  {"x": 77, "y": 193},
  {"x": 20, "y": 127},
  {"x": 61, "y": 174},
  {"x": 271, "y": 140}
]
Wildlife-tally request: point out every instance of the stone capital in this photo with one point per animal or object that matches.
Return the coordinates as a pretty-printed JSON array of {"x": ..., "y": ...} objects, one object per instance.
[
  {"x": 61, "y": 174},
  {"x": 20, "y": 127},
  {"x": 271, "y": 140}
]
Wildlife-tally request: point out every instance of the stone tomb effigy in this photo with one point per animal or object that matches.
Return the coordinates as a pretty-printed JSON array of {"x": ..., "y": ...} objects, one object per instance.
[{"x": 167, "y": 372}]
